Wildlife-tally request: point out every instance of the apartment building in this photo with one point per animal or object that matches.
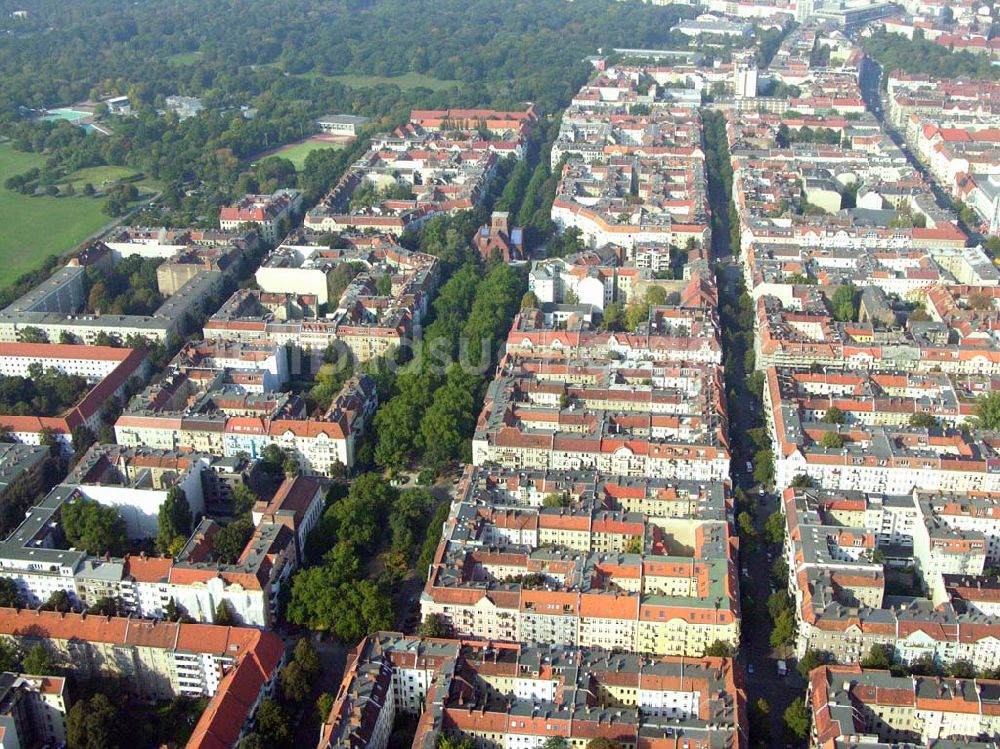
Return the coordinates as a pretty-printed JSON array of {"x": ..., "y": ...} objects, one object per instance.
[
  {"x": 236, "y": 668},
  {"x": 866, "y": 709},
  {"x": 303, "y": 265},
  {"x": 686, "y": 332},
  {"x": 642, "y": 403},
  {"x": 37, "y": 557},
  {"x": 56, "y": 308},
  {"x": 802, "y": 332},
  {"x": 839, "y": 545},
  {"x": 266, "y": 212},
  {"x": 257, "y": 366},
  {"x": 110, "y": 371},
  {"x": 211, "y": 408},
  {"x": 136, "y": 482},
  {"x": 548, "y": 557},
  {"x": 437, "y": 163},
  {"x": 33, "y": 709},
  {"x": 22, "y": 469},
  {"x": 876, "y": 449},
  {"x": 502, "y": 696},
  {"x": 597, "y": 277},
  {"x": 165, "y": 243}
]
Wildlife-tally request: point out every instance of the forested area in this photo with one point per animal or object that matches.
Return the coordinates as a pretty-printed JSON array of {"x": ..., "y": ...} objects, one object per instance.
[
  {"x": 278, "y": 59},
  {"x": 917, "y": 55},
  {"x": 499, "y": 52}
]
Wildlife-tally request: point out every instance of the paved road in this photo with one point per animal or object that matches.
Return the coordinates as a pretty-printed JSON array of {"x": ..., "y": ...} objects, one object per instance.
[
  {"x": 765, "y": 682},
  {"x": 868, "y": 81},
  {"x": 755, "y": 651}
]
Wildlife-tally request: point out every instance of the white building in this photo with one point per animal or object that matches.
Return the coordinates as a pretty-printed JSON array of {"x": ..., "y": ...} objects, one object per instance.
[
  {"x": 341, "y": 124},
  {"x": 746, "y": 82}
]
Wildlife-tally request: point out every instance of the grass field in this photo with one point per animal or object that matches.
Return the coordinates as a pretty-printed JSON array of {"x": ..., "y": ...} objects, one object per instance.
[
  {"x": 104, "y": 177},
  {"x": 184, "y": 58},
  {"x": 297, "y": 152},
  {"x": 34, "y": 228},
  {"x": 405, "y": 81},
  {"x": 99, "y": 175}
]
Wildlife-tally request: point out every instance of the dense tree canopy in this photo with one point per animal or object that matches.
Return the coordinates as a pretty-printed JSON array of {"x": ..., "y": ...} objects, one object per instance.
[
  {"x": 94, "y": 724},
  {"x": 896, "y": 52},
  {"x": 988, "y": 410},
  {"x": 92, "y": 527},
  {"x": 39, "y": 661},
  {"x": 130, "y": 288},
  {"x": 46, "y": 392},
  {"x": 231, "y": 539},
  {"x": 174, "y": 521}
]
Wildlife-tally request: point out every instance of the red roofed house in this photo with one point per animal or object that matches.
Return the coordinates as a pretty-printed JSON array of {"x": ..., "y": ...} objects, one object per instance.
[
  {"x": 266, "y": 211},
  {"x": 107, "y": 369},
  {"x": 235, "y": 667}
]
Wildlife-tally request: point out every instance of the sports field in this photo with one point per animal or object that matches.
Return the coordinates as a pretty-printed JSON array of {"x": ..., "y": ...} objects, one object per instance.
[
  {"x": 65, "y": 113},
  {"x": 297, "y": 152},
  {"x": 32, "y": 228}
]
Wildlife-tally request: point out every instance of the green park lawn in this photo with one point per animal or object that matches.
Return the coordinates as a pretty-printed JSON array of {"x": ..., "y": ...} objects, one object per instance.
[
  {"x": 99, "y": 176},
  {"x": 404, "y": 82},
  {"x": 35, "y": 227}
]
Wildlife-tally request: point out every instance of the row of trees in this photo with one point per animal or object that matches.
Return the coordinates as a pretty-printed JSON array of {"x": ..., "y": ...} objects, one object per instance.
[
  {"x": 337, "y": 593},
  {"x": 274, "y": 722},
  {"x": 749, "y": 438},
  {"x": 719, "y": 168},
  {"x": 806, "y": 134},
  {"x": 432, "y": 404}
]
